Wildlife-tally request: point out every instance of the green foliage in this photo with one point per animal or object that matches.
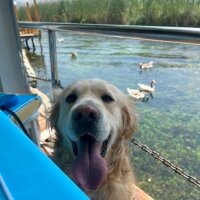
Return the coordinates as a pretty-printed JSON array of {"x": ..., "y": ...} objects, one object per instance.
[
  {"x": 22, "y": 14},
  {"x": 137, "y": 12},
  {"x": 118, "y": 11},
  {"x": 161, "y": 133}
]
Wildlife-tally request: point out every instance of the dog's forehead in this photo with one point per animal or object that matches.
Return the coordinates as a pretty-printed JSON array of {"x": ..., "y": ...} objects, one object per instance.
[{"x": 95, "y": 86}]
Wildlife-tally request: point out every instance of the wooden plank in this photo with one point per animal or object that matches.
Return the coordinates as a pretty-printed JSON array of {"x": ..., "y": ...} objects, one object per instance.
[
  {"x": 29, "y": 35},
  {"x": 140, "y": 194}
]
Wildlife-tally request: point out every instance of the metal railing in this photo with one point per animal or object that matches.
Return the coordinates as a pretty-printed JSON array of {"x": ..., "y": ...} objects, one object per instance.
[{"x": 106, "y": 28}]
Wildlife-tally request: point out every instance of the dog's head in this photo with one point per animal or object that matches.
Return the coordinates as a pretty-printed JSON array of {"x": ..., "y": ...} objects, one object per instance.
[{"x": 92, "y": 115}]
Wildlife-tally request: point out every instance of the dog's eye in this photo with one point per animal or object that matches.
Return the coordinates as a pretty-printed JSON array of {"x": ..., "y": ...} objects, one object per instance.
[
  {"x": 71, "y": 98},
  {"x": 107, "y": 98}
]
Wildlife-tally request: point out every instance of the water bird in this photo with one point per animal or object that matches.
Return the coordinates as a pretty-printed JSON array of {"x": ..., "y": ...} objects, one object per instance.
[
  {"x": 73, "y": 55},
  {"x": 146, "y": 65},
  {"x": 136, "y": 94},
  {"x": 60, "y": 40},
  {"x": 147, "y": 88}
]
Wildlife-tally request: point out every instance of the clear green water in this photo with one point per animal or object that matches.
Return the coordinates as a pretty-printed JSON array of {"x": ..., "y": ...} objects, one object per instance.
[{"x": 168, "y": 123}]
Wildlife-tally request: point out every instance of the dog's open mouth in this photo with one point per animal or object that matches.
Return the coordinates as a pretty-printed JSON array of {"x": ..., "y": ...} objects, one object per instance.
[
  {"x": 89, "y": 169},
  {"x": 103, "y": 148}
]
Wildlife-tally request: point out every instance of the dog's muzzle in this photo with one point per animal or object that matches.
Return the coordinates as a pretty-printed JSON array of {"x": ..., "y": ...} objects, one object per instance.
[{"x": 89, "y": 169}]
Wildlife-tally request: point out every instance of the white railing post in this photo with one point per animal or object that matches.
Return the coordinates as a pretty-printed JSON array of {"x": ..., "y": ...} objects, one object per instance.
[{"x": 53, "y": 58}]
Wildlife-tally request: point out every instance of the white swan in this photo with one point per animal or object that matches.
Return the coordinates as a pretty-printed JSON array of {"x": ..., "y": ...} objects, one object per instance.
[
  {"x": 60, "y": 40},
  {"x": 146, "y": 65},
  {"x": 147, "y": 88},
  {"x": 136, "y": 94}
]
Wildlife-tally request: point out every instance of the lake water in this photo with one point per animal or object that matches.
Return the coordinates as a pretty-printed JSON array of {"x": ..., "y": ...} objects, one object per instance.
[{"x": 168, "y": 123}]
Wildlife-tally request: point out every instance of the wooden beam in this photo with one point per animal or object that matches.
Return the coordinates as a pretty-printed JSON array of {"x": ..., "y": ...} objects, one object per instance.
[
  {"x": 36, "y": 11},
  {"x": 28, "y": 12}
]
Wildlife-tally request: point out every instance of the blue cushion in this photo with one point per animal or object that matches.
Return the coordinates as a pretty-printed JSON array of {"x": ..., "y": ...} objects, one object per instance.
[{"x": 27, "y": 172}]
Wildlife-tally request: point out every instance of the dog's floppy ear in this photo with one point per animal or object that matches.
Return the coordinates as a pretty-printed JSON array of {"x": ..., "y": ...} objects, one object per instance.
[
  {"x": 54, "y": 114},
  {"x": 129, "y": 119}
]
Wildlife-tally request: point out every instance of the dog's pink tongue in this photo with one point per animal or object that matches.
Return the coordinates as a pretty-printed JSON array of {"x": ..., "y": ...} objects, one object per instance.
[{"x": 89, "y": 169}]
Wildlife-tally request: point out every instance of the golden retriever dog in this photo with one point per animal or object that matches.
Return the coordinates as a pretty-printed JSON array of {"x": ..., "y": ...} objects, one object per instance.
[{"x": 93, "y": 120}]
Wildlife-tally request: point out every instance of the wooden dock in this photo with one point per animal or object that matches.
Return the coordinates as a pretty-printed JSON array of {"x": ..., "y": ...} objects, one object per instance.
[{"x": 27, "y": 34}]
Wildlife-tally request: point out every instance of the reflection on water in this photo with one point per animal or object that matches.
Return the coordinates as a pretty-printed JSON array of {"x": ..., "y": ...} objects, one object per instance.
[
  {"x": 169, "y": 121},
  {"x": 37, "y": 59}
]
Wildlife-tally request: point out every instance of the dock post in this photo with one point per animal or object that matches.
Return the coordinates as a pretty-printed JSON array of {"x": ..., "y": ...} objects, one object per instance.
[
  {"x": 33, "y": 44},
  {"x": 53, "y": 59}
]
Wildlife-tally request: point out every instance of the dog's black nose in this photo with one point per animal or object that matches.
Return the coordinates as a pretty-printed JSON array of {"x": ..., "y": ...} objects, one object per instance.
[{"x": 86, "y": 113}]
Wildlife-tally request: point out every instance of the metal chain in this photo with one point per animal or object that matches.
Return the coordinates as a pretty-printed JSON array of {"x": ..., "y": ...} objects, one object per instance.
[
  {"x": 39, "y": 78},
  {"x": 58, "y": 83},
  {"x": 167, "y": 163}
]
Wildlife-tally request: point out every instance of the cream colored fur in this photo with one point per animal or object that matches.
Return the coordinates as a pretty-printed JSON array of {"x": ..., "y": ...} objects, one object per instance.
[{"x": 118, "y": 116}]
